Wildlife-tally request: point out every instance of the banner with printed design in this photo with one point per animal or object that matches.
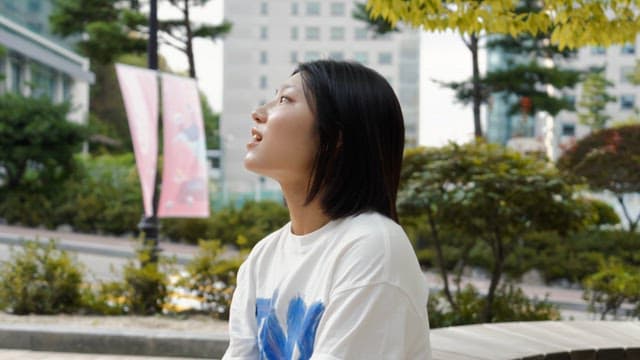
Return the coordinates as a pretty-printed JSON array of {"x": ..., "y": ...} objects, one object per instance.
[
  {"x": 184, "y": 176},
  {"x": 139, "y": 89}
]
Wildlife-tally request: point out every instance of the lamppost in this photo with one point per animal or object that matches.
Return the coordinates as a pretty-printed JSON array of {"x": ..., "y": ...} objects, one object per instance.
[{"x": 149, "y": 224}]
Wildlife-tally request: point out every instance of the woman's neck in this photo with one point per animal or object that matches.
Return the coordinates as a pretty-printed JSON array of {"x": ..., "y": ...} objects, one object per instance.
[{"x": 305, "y": 218}]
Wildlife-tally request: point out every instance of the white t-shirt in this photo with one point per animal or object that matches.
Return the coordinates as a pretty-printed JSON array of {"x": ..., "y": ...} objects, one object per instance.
[{"x": 350, "y": 290}]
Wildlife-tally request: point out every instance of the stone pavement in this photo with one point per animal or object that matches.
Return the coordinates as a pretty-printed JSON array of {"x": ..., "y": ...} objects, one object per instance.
[{"x": 42, "y": 355}]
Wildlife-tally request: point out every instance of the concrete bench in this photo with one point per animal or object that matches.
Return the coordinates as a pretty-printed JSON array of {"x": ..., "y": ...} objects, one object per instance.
[{"x": 543, "y": 340}]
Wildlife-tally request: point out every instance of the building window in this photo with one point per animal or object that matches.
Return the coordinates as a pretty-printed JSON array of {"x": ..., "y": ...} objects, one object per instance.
[
  {"x": 264, "y": 8},
  {"x": 598, "y": 50},
  {"x": 312, "y": 33},
  {"x": 568, "y": 130},
  {"x": 294, "y": 33},
  {"x": 361, "y": 33},
  {"x": 627, "y": 102},
  {"x": 336, "y": 55},
  {"x": 264, "y": 32},
  {"x": 263, "y": 57},
  {"x": 67, "y": 86},
  {"x": 337, "y": 33},
  {"x": 294, "y": 8},
  {"x": 311, "y": 56},
  {"x": 361, "y": 57},
  {"x": 313, "y": 8},
  {"x": 570, "y": 99},
  {"x": 384, "y": 58},
  {"x": 43, "y": 81},
  {"x": 17, "y": 75},
  {"x": 625, "y": 73},
  {"x": 34, "y": 6},
  {"x": 337, "y": 9},
  {"x": 263, "y": 82},
  {"x": 293, "y": 57},
  {"x": 628, "y": 49}
]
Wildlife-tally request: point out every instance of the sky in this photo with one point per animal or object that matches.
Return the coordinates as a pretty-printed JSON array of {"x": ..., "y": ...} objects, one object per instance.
[{"x": 443, "y": 56}]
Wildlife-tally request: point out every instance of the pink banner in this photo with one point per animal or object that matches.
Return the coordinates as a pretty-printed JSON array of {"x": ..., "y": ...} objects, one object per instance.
[
  {"x": 185, "y": 182},
  {"x": 139, "y": 89}
]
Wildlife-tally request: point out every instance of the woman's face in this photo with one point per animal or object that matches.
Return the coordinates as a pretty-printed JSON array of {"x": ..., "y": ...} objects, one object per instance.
[{"x": 284, "y": 139}]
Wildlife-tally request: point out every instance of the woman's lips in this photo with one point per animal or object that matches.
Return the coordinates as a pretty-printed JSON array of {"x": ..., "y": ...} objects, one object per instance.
[{"x": 256, "y": 136}]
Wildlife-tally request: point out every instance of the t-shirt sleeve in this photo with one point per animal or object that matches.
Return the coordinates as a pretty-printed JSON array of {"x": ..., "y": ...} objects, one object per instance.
[
  {"x": 376, "y": 321},
  {"x": 242, "y": 320}
]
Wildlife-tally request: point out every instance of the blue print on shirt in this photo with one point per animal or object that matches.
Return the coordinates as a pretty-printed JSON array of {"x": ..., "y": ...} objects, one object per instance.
[{"x": 302, "y": 323}]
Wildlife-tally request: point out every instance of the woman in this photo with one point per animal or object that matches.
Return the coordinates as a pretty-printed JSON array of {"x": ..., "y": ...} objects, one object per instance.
[{"x": 340, "y": 280}]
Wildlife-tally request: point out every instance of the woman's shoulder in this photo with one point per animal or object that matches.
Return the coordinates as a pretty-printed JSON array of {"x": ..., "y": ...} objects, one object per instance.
[
  {"x": 372, "y": 229},
  {"x": 371, "y": 241}
]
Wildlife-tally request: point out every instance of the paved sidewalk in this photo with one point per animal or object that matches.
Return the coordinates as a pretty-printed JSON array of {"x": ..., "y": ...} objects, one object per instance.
[{"x": 42, "y": 355}]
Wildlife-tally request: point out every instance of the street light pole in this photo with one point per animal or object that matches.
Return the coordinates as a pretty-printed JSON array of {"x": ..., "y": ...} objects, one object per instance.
[{"x": 149, "y": 224}]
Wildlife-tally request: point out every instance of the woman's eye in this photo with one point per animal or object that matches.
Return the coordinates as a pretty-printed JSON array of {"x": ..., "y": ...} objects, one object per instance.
[{"x": 283, "y": 99}]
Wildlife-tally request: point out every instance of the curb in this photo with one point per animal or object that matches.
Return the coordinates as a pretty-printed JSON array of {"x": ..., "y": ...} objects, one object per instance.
[{"x": 60, "y": 338}]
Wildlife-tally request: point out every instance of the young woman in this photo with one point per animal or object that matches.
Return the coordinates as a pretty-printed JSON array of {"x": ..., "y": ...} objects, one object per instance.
[{"x": 340, "y": 280}]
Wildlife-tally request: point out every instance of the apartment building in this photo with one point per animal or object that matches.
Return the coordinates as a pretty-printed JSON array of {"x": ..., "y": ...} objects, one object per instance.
[
  {"x": 34, "y": 62},
  {"x": 269, "y": 38}
]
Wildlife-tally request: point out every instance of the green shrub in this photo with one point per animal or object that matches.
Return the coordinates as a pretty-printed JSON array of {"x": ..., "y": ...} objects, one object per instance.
[
  {"x": 186, "y": 230},
  {"x": 510, "y": 304},
  {"x": 27, "y": 208},
  {"x": 104, "y": 196},
  {"x": 40, "y": 279},
  {"x": 242, "y": 227},
  {"x": 143, "y": 289},
  {"x": 614, "y": 284},
  {"x": 212, "y": 279}
]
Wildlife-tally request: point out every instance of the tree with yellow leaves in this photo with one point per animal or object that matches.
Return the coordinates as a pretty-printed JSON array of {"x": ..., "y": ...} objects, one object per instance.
[{"x": 571, "y": 23}]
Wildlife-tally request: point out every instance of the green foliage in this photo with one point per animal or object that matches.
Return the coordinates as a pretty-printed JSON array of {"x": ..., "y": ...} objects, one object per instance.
[
  {"x": 108, "y": 29},
  {"x": 243, "y": 227},
  {"x": 489, "y": 194},
  {"x": 609, "y": 160},
  {"x": 603, "y": 214},
  {"x": 37, "y": 143},
  {"x": 594, "y": 100},
  {"x": 211, "y": 278},
  {"x": 511, "y": 304},
  {"x": 40, "y": 279},
  {"x": 103, "y": 196},
  {"x": 574, "y": 257},
  {"x": 27, "y": 208},
  {"x": 211, "y": 124},
  {"x": 614, "y": 284},
  {"x": 143, "y": 289}
]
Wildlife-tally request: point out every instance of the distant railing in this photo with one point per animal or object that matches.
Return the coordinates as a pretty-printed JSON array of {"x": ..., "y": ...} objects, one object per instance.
[{"x": 543, "y": 340}]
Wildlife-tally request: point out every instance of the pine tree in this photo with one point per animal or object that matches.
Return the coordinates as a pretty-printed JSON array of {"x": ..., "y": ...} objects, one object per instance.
[{"x": 594, "y": 100}]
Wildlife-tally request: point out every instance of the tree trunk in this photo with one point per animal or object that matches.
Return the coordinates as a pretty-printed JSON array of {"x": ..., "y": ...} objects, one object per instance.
[
  {"x": 189, "y": 44},
  {"x": 633, "y": 224},
  {"x": 441, "y": 264},
  {"x": 477, "y": 91},
  {"x": 497, "y": 248}
]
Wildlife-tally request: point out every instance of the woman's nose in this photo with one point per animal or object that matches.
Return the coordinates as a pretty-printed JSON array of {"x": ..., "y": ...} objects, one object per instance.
[{"x": 258, "y": 114}]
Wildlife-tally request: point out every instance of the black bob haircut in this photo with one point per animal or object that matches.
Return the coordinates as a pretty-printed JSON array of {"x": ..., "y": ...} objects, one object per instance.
[{"x": 361, "y": 131}]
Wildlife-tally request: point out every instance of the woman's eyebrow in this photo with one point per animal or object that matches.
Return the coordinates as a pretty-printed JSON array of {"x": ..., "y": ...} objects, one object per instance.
[{"x": 284, "y": 87}]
